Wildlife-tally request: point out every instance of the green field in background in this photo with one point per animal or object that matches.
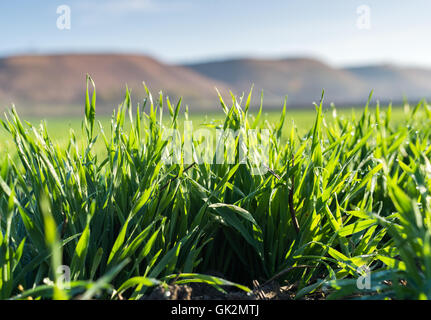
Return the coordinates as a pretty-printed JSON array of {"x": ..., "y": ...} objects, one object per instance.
[{"x": 59, "y": 128}]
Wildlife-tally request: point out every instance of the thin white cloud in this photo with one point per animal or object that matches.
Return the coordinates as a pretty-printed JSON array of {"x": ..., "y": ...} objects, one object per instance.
[{"x": 130, "y": 6}]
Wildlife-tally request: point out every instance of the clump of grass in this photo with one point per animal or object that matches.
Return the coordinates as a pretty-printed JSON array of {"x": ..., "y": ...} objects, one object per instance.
[{"x": 348, "y": 194}]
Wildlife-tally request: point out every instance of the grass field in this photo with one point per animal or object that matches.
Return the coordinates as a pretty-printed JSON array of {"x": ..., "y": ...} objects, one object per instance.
[
  {"x": 339, "y": 205},
  {"x": 59, "y": 128}
]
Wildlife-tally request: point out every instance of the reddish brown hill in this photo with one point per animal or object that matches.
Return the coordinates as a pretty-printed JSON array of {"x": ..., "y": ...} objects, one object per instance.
[
  {"x": 60, "y": 80},
  {"x": 55, "y": 84}
]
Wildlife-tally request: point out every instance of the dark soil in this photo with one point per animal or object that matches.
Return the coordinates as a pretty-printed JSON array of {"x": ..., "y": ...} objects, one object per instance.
[{"x": 200, "y": 291}]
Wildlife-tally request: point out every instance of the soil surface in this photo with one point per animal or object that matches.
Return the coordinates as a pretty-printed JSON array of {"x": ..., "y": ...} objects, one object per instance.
[{"x": 199, "y": 291}]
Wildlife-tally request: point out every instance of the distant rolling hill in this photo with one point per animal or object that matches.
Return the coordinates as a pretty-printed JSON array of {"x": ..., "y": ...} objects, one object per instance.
[
  {"x": 301, "y": 79},
  {"x": 55, "y": 84},
  {"x": 391, "y": 82}
]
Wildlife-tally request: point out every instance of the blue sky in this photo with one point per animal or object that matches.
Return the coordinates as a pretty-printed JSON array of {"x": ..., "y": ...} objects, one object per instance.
[{"x": 183, "y": 31}]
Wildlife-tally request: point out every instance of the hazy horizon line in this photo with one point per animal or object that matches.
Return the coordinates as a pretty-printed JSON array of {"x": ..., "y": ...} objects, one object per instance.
[{"x": 214, "y": 58}]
